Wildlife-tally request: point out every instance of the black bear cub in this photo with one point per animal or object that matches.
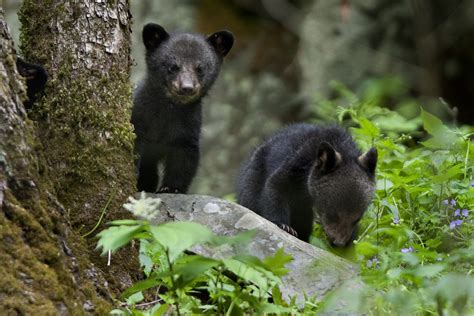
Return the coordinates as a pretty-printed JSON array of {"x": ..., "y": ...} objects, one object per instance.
[
  {"x": 305, "y": 167},
  {"x": 36, "y": 77},
  {"x": 181, "y": 68}
]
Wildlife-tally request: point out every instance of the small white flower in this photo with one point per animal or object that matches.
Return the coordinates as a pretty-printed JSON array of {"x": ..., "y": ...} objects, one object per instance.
[{"x": 144, "y": 207}]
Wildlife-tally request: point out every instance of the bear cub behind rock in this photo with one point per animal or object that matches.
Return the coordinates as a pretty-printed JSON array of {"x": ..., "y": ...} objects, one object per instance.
[
  {"x": 305, "y": 167},
  {"x": 181, "y": 68}
]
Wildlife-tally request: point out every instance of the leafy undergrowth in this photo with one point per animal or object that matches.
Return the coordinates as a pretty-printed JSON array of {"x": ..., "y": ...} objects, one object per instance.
[
  {"x": 416, "y": 243},
  {"x": 178, "y": 282},
  {"x": 415, "y": 246}
]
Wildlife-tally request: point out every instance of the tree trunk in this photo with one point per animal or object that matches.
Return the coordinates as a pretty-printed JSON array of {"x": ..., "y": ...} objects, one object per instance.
[
  {"x": 84, "y": 120},
  {"x": 59, "y": 170}
]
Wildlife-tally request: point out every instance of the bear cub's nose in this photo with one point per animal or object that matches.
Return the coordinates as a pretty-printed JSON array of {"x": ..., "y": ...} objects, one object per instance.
[{"x": 187, "y": 88}]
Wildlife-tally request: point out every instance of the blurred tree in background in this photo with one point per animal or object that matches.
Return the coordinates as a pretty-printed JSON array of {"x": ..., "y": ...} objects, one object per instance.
[
  {"x": 428, "y": 44},
  {"x": 287, "y": 52}
]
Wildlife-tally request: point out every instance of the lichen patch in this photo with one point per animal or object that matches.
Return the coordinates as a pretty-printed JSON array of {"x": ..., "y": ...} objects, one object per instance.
[{"x": 248, "y": 221}]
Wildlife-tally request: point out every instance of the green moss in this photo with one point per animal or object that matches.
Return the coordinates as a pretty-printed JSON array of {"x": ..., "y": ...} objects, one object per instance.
[
  {"x": 29, "y": 283},
  {"x": 32, "y": 25},
  {"x": 90, "y": 143},
  {"x": 26, "y": 267}
]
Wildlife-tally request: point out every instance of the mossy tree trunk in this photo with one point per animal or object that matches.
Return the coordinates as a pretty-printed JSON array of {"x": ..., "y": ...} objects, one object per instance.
[
  {"x": 63, "y": 161},
  {"x": 84, "y": 120}
]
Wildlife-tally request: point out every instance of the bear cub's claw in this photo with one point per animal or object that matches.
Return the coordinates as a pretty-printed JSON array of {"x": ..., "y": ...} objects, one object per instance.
[
  {"x": 288, "y": 229},
  {"x": 167, "y": 190}
]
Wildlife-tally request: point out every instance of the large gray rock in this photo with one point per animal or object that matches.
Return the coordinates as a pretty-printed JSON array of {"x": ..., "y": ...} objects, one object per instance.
[{"x": 313, "y": 271}]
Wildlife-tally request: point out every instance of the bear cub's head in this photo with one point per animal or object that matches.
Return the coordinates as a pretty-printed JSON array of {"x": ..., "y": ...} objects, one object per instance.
[
  {"x": 342, "y": 188},
  {"x": 184, "y": 64}
]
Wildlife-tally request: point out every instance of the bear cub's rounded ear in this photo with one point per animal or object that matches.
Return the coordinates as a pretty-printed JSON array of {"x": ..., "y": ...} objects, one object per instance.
[
  {"x": 369, "y": 160},
  {"x": 328, "y": 158},
  {"x": 153, "y": 35},
  {"x": 222, "y": 42}
]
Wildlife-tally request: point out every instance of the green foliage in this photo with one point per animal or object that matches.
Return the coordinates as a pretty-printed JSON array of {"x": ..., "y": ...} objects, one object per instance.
[
  {"x": 416, "y": 243},
  {"x": 185, "y": 283}
]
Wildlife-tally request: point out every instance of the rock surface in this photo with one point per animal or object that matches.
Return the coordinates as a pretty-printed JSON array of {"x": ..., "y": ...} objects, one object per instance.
[{"x": 313, "y": 271}]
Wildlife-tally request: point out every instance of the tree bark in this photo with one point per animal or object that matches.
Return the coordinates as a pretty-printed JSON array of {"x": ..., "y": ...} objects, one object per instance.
[
  {"x": 84, "y": 120},
  {"x": 63, "y": 161}
]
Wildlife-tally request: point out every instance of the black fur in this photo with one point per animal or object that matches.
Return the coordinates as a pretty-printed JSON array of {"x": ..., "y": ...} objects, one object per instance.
[
  {"x": 181, "y": 68},
  {"x": 36, "y": 77},
  {"x": 304, "y": 167}
]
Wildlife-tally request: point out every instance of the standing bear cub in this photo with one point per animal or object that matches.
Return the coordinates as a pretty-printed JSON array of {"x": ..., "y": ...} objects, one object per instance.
[
  {"x": 181, "y": 68},
  {"x": 304, "y": 167}
]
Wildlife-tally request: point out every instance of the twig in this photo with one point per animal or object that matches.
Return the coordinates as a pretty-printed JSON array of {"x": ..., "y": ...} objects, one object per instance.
[
  {"x": 101, "y": 215},
  {"x": 149, "y": 303}
]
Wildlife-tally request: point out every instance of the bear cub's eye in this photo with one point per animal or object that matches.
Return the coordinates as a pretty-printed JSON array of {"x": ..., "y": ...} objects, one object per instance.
[
  {"x": 173, "y": 68},
  {"x": 199, "y": 70}
]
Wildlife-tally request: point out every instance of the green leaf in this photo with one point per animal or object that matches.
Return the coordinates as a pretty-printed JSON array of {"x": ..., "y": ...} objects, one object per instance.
[
  {"x": 429, "y": 270},
  {"x": 277, "y": 296},
  {"x": 135, "y": 298},
  {"x": 366, "y": 249},
  {"x": 177, "y": 237},
  {"x": 457, "y": 289},
  {"x": 431, "y": 123},
  {"x": 145, "y": 260},
  {"x": 250, "y": 272},
  {"x": 393, "y": 208},
  {"x": 154, "y": 280},
  {"x": 115, "y": 237},
  {"x": 158, "y": 310},
  {"x": 384, "y": 184},
  {"x": 395, "y": 122},
  {"x": 394, "y": 273},
  {"x": 276, "y": 264},
  {"x": 449, "y": 174},
  {"x": 368, "y": 128},
  {"x": 190, "y": 267},
  {"x": 443, "y": 137},
  {"x": 267, "y": 308},
  {"x": 410, "y": 258}
]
